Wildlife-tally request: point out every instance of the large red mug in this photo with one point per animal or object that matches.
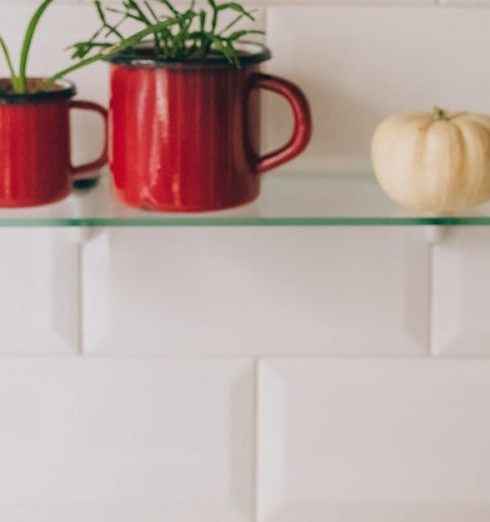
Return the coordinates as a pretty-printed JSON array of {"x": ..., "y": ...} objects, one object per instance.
[
  {"x": 185, "y": 137},
  {"x": 35, "y": 164}
]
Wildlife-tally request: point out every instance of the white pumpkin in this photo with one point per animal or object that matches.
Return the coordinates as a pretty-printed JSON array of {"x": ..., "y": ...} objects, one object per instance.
[{"x": 435, "y": 162}]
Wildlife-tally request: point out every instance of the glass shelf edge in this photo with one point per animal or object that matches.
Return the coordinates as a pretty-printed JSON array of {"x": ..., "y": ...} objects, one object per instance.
[{"x": 244, "y": 222}]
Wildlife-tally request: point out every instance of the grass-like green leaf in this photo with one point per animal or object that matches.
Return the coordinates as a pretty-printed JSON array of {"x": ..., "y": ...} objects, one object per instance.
[
  {"x": 194, "y": 34},
  {"x": 26, "y": 47},
  {"x": 233, "y": 6},
  {"x": 127, "y": 43},
  {"x": 13, "y": 76}
]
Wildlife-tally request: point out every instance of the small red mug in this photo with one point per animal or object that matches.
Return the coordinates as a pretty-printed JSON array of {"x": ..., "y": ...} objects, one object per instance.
[
  {"x": 35, "y": 164},
  {"x": 184, "y": 137}
]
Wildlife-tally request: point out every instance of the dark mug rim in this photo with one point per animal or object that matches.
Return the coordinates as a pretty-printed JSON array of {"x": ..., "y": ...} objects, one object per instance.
[
  {"x": 64, "y": 91},
  {"x": 138, "y": 58}
]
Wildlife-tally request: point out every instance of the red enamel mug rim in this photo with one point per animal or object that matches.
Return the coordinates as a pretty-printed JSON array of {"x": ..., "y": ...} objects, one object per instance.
[
  {"x": 249, "y": 53},
  {"x": 62, "y": 90}
]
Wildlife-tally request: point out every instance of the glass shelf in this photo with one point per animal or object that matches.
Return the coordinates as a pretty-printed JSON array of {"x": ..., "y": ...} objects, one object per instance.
[{"x": 286, "y": 200}]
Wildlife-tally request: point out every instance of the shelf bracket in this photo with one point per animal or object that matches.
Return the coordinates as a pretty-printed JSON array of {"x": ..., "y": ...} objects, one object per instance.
[{"x": 435, "y": 234}]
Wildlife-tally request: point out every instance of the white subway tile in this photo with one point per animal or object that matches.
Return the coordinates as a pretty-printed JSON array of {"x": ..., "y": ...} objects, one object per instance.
[
  {"x": 374, "y": 441},
  {"x": 256, "y": 290},
  {"x": 461, "y": 290},
  {"x": 465, "y": 3},
  {"x": 39, "y": 292},
  {"x": 126, "y": 440}
]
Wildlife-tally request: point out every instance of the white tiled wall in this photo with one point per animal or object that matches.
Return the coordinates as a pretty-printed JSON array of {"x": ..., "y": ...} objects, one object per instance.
[{"x": 133, "y": 383}]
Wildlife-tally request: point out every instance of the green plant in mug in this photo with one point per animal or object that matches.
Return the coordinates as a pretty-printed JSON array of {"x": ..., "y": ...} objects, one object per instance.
[
  {"x": 188, "y": 34},
  {"x": 19, "y": 77}
]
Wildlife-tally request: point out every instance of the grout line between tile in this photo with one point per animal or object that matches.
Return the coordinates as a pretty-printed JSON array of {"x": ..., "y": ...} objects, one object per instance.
[
  {"x": 80, "y": 300},
  {"x": 256, "y": 441},
  {"x": 408, "y": 357},
  {"x": 431, "y": 300},
  {"x": 355, "y": 4}
]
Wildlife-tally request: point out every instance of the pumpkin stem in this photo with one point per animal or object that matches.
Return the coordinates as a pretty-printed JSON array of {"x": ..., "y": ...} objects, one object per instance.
[{"x": 440, "y": 114}]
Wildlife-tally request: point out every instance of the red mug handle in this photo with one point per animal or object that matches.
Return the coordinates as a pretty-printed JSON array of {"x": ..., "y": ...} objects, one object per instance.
[
  {"x": 302, "y": 120},
  {"x": 86, "y": 171}
]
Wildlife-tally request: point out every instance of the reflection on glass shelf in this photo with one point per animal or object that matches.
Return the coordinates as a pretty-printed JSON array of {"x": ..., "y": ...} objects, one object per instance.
[{"x": 286, "y": 200}]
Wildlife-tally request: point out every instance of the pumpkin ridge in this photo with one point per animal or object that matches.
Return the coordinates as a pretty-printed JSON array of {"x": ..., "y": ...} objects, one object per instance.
[
  {"x": 418, "y": 146},
  {"x": 481, "y": 191},
  {"x": 463, "y": 160}
]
